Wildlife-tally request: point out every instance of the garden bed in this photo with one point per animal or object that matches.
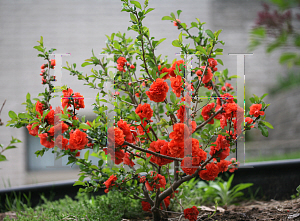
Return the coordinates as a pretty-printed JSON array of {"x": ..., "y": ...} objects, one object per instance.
[{"x": 254, "y": 210}]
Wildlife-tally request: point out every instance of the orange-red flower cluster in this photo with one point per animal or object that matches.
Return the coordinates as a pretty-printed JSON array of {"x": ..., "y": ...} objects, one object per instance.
[
  {"x": 194, "y": 156},
  {"x": 213, "y": 63},
  {"x": 78, "y": 140},
  {"x": 69, "y": 98},
  {"x": 162, "y": 147},
  {"x": 210, "y": 173},
  {"x": 222, "y": 147},
  {"x": 110, "y": 182},
  {"x": 121, "y": 63},
  {"x": 176, "y": 84},
  {"x": 158, "y": 90},
  {"x": 191, "y": 213},
  {"x": 144, "y": 111},
  {"x": 255, "y": 110},
  {"x": 207, "y": 76},
  {"x": 156, "y": 181},
  {"x": 227, "y": 87},
  {"x": 207, "y": 112}
]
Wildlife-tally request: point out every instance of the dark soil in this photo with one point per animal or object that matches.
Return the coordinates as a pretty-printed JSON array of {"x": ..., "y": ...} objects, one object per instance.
[
  {"x": 249, "y": 211},
  {"x": 246, "y": 211}
]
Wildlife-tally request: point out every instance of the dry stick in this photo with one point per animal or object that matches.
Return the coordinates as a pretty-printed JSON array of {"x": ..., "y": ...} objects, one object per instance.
[
  {"x": 151, "y": 152},
  {"x": 2, "y": 106}
]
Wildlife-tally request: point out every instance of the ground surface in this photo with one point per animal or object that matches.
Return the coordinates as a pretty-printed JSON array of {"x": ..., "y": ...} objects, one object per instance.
[
  {"x": 247, "y": 211},
  {"x": 252, "y": 211}
]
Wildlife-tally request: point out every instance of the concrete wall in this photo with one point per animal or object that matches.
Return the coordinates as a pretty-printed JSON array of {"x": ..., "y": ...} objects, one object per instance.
[{"x": 77, "y": 27}]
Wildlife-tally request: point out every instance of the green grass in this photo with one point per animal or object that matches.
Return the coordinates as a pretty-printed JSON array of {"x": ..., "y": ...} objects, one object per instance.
[
  {"x": 286, "y": 156},
  {"x": 112, "y": 206}
]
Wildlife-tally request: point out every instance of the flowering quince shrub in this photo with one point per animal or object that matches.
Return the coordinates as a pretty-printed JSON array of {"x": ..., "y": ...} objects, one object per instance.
[{"x": 162, "y": 136}]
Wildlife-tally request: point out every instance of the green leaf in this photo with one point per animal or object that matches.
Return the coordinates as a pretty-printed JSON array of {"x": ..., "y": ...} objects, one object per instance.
[
  {"x": 94, "y": 167},
  {"x": 39, "y": 48},
  {"x": 264, "y": 130},
  {"x": 256, "y": 98},
  {"x": 210, "y": 34},
  {"x": 201, "y": 49},
  {"x": 178, "y": 12},
  {"x": 79, "y": 183},
  {"x": 28, "y": 96},
  {"x": 183, "y": 25},
  {"x": 86, "y": 64},
  {"x": 85, "y": 126},
  {"x": 173, "y": 16},
  {"x": 2, "y": 158},
  {"x": 116, "y": 44},
  {"x": 149, "y": 10},
  {"x": 234, "y": 76},
  {"x": 259, "y": 32},
  {"x": 267, "y": 124},
  {"x": 176, "y": 43},
  {"x": 167, "y": 18},
  {"x": 137, "y": 4},
  {"x": 160, "y": 41},
  {"x": 262, "y": 97},
  {"x": 220, "y": 61},
  {"x": 96, "y": 155},
  {"x": 10, "y": 147},
  {"x": 225, "y": 72},
  {"x": 24, "y": 115},
  {"x": 194, "y": 24},
  {"x": 168, "y": 107},
  {"x": 173, "y": 97},
  {"x": 163, "y": 74},
  {"x": 180, "y": 37},
  {"x": 86, "y": 155},
  {"x": 285, "y": 57},
  {"x": 12, "y": 115}
]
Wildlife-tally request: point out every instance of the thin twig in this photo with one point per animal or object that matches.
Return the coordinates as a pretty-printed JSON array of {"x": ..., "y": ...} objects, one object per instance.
[{"x": 151, "y": 152}]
